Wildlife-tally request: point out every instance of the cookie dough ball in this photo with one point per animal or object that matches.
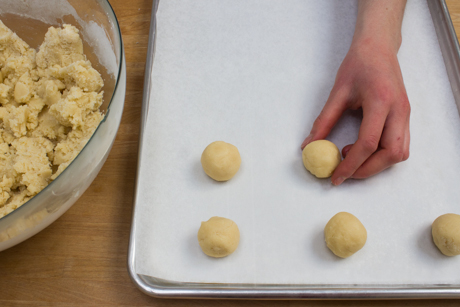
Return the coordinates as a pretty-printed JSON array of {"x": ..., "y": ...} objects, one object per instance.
[
  {"x": 218, "y": 237},
  {"x": 321, "y": 158},
  {"x": 221, "y": 160},
  {"x": 344, "y": 234},
  {"x": 446, "y": 234}
]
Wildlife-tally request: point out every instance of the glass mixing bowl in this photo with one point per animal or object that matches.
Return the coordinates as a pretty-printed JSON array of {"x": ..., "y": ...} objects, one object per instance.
[{"x": 103, "y": 46}]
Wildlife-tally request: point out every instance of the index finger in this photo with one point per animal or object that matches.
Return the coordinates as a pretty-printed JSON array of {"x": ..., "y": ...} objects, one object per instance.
[
  {"x": 330, "y": 114},
  {"x": 369, "y": 136}
]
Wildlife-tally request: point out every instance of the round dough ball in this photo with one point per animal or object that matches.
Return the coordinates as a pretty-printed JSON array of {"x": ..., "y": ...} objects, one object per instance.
[
  {"x": 321, "y": 158},
  {"x": 218, "y": 237},
  {"x": 345, "y": 234},
  {"x": 446, "y": 234},
  {"x": 221, "y": 160}
]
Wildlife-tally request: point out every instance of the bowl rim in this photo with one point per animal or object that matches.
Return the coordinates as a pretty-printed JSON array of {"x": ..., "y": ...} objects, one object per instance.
[{"x": 120, "y": 64}]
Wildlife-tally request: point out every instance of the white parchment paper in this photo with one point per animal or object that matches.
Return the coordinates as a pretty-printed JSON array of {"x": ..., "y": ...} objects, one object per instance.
[{"x": 256, "y": 73}]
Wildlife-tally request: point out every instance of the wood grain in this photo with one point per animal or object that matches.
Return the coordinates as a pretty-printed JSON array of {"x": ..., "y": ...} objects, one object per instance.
[
  {"x": 454, "y": 10},
  {"x": 80, "y": 260}
]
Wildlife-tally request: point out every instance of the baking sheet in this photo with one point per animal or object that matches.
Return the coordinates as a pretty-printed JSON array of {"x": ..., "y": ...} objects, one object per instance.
[{"x": 212, "y": 80}]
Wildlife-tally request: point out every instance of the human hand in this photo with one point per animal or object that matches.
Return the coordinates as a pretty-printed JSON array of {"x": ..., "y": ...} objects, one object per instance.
[{"x": 369, "y": 78}]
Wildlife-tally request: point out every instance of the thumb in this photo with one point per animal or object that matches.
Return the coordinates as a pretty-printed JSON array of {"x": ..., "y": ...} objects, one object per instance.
[{"x": 346, "y": 149}]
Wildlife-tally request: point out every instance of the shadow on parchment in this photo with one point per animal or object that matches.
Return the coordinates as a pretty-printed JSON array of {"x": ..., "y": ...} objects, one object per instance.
[
  {"x": 320, "y": 249},
  {"x": 426, "y": 245}
]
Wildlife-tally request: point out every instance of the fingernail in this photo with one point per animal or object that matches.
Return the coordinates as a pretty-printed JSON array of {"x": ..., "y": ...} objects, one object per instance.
[
  {"x": 339, "y": 181},
  {"x": 307, "y": 140}
]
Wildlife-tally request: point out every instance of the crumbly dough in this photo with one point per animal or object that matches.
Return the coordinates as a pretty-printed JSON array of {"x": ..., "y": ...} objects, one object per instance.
[
  {"x": 446, "y": 234},
  {"x": 321, "y": 158},
  {"x": 218, "y": 237},
  {"x": 221, "y": 161},
  {"x": 345, "y": 234},
  {"x": 49, "y": 108}
]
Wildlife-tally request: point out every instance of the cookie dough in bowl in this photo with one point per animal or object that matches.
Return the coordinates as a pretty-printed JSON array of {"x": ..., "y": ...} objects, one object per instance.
[
  {"x": 56, "y": 129},
  {"x": 49, "y": 108}
]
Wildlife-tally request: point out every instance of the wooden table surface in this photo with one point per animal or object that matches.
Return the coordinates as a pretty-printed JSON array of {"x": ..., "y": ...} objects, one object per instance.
[{"x": 80, "y": 260}]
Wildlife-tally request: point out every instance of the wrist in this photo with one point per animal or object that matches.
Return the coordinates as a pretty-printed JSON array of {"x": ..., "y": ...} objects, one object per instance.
[
  {"x": 385, "y": 39},
  {"x": 379, "y": 23},
  {"x": 376, "y": 43}
]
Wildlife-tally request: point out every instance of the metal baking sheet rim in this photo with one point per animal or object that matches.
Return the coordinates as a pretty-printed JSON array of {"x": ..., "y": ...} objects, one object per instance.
[{"x": 169, "y": 289}]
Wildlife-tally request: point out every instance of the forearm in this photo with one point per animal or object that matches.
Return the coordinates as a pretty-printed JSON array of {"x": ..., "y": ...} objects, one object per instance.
[
  {"x": 370, "y": 78},
  {"x": 379, "y": 23}
]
